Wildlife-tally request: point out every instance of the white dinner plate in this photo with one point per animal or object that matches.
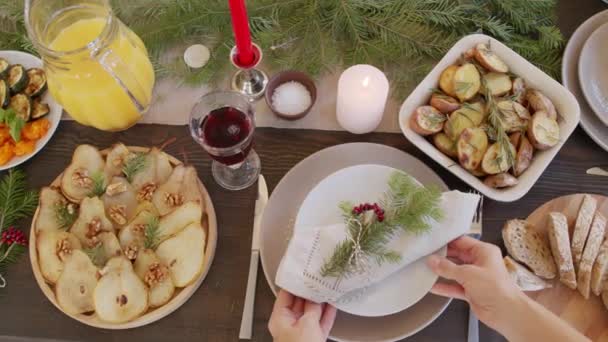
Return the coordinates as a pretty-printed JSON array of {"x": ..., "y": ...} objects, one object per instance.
[
  {"x": 593, "y": 72},
  {"x": 54, "y": 116},
  {"x": 589, "y": 121},
  {"x": 280, "y": 215},
  {"x": 366, "y": 184}
]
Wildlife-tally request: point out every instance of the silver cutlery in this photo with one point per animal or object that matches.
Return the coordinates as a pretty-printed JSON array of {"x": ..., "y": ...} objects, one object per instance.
[
  {"x": 597, "y": 171},
  {"x": 260, "y": 204},
  {"x": 475, "y": 232}
]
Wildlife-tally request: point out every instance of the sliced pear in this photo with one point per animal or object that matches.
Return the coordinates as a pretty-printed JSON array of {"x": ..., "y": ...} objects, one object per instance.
[
  {"x": 91, "y": 221},
  {"x": 77, "y": 179},
  {"x": 115, "y": 160},
  {"x": 132, "y": 236},
  {"x": 75, "y": 287},
  {"x": 156, "y": 276},
  {"x": 120, "y": 201},
  {"x": 184, "y": 254},
  {"x": 120, "y": 295},
  {"x": 53, "y": 247},
  {"x": 156, "y": 171},
  {"x": 174, "y": 222},
  {"x": 181, "y": 187},
  {"x": 110, "y": 245},
  {"x": 55, "y": 213}
]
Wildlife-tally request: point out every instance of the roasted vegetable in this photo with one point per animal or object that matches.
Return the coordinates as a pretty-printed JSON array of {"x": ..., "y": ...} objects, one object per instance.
[
  {"x": 498, "y": 84},
  {"x": 525, "y": 152},
  {"x": 445, "y": 145},
  {"x": 457, "y": 122},
  {"x": 514, "y": 116},
  {"x": 543, "y": 131},
  {"x": 4, "y": 66},
  {"x": 471, "y": 147},
  {"x": 489, "y": 60},
  {"x": 36, "y": 85},
  {"x": 39, "y": 109},
  {"x": 446, "y": 80},
  {"x": 539, "y": 102},
  {"x": 22, "y": 105},
  {"x": 501, "y": 180},
  {"x": 518, "y": 87},
  {"x": 5, "y": 94},
  {"x": 17, "y": 78},
  {"x": 443, "y": 103},
  {"x": 495, "y": 160},
  {"x": 467, "y": 82},
  {"x": 427, "y": 120}
]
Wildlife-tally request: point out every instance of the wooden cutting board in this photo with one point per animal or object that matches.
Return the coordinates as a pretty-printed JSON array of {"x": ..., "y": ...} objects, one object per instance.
[{"x": 588, "y": 316}]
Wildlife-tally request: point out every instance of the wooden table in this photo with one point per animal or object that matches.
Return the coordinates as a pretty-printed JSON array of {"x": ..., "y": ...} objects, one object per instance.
[{"x": 214, "y": 312}]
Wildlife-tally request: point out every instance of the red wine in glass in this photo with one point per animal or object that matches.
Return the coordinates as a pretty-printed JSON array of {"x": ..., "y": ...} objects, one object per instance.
[{"x": 224, "y": 128}]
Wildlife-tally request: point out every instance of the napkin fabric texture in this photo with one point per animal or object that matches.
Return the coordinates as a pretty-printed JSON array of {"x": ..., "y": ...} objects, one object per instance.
[{"x": 299, "y": 271}]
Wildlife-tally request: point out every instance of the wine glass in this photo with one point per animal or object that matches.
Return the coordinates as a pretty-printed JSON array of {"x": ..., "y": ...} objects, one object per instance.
[{"x": 223, "y": 123}]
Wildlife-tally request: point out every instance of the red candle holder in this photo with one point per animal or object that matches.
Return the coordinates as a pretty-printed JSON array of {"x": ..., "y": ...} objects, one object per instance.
[{"x": 249, "y": 80}]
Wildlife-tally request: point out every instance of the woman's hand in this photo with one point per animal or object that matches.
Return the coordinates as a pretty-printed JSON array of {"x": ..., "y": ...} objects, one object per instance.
[
  {"x": 480, "y": 278},
  {"x": 295, "y": 319}
]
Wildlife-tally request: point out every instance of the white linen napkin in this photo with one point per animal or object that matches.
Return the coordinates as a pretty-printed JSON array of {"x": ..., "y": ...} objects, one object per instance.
[{"x": 299, "y": 271}]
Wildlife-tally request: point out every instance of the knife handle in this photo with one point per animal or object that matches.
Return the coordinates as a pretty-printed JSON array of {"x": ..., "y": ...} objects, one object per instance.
[{"x": 247, "y": 320}]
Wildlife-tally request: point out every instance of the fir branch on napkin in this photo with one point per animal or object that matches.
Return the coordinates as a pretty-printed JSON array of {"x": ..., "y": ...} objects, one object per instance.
[{"x": 406, "y": 206}]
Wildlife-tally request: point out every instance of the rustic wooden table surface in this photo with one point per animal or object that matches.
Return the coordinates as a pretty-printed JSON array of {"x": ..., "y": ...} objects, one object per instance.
[{"x": 214, "y": 312}]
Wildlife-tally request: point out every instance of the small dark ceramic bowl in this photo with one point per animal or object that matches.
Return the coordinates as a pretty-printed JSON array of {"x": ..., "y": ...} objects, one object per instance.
[{"x": 288, "y": 76}]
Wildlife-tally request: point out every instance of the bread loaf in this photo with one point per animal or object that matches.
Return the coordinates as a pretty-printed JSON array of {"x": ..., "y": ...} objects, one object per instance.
[
  {"x": 524, "y": 278},
  {"x": 529, "y": 247},
  {"x": 599, "y": 273},
  {"x": 592, "y": 248},
  {"x": 581, "y": 228},
  {"x": 560, "y": 247}
]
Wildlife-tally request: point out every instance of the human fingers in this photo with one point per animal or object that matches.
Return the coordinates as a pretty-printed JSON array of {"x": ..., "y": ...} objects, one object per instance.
[
  {"x": 448, "y": 290},
  {"x": 313, "y": 310},
  {"x": 284, "y": 300},
  {"x": 298, "y": 306},
  {"x": 328, "y": 318},
  {"x": 446, "y": 269},
  {"x": 461, "y": 255},
  {"x": 464, "y": 243}
]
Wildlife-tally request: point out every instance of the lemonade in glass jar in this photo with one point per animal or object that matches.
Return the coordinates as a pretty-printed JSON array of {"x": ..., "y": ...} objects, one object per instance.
[{"x": 96, "y": 67}]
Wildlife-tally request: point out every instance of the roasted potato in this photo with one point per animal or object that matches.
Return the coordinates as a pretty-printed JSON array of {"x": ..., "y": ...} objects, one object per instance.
[
  {"x": 488, "y": 59},
  {"x": 478, "y": 172},
  {"x": 543, "y": 131},
  {"x": 446, "y": 80},
  {"x": 525, "y": 152},
  {"x": 515, "y": 138},
  {"x": 457, "y": 122},
  {"x": 515, "y": 117},
  {"x": 495, "y": 161},
  {"x": 427, "y": 120},
  {"x": 467, "y": 82},
  {"x": 501, "y": 180},
  {"x": 471, "y": 147},
  {"x": 443, "y": 103},
  {"x": 475, "y": 112},
  {"x": 539, "y": 102},
  {"x": 445, "y": 145},
  {"x": 518, "y": 88},
  {"x": 498, "y": 84}
]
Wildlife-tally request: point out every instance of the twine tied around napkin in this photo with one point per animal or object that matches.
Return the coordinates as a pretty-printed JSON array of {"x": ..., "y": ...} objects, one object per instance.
[{"x": 310, "y": 247}]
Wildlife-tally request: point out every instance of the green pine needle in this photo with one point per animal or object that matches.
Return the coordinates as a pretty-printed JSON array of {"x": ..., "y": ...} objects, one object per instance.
[
  {"x": 64, "y": 215},
  {"x": 135, "y": 164},
  {"x": 99, "y": 184},
  {"x": 10, "y": 255},
  {"x": 96, "y": 254},
  {"x": 151, "y": 233},
  {"x": 16, "y": 201},
  {"x": 408, "y": 207}
]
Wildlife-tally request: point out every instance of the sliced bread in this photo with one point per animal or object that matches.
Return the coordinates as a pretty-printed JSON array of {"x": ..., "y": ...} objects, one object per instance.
[
  {"x": 560, "y": 247},
  {"x": 529, "y": 247},
  {"x": 599, "y": 273},
  {"x": 581, "y": 228},
  {"x": 592, "y": 248},
  {"x": 524, "y": 278}
]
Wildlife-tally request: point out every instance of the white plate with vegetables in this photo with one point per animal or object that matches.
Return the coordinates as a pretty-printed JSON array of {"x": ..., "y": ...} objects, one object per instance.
[
  {"x": 490, "y": 117},
  {"x": 29, "y": 116}
]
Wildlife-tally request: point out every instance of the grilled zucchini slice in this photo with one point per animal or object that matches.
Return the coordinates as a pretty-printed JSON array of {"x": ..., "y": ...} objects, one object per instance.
[
  {"x": 5, "y": 94},
  {"x": 4, "y": 65},
  {"x": 17, "y": 78},
  {"x": 22, "y": 105},
  {"x": 39, "y": 109},
  {"x": 36, "y": 84}
]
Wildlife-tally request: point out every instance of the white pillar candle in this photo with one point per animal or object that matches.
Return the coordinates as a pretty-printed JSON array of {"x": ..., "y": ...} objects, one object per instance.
[{"x": 362, "y": 94}]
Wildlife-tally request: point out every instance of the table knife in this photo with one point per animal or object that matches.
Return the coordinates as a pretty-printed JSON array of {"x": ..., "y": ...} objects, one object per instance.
[
  {"x": 260, "y": 204},
  {"x": 597, "y": 171}
]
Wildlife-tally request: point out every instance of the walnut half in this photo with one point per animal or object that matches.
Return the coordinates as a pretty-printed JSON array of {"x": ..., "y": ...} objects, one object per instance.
[
  {"x": 174, "y": 200},
  {"x": 146, "y": 192},
  {"x": 116, "y": 188},
  {"x": 63, "y": 249},
  {"x": 131, "y": 252},
  {"x": 93, "y": 229},
  {"x": 118, "y": 213},
  {"x": 156, "y": 273},
  {"x": 81, "y": 178}
]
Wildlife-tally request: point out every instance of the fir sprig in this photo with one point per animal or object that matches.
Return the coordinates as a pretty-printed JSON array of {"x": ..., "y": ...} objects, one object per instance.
[
  {"x": 496, "y": 129},
  {"x": 408, "y": 207},
  {"x": 99, "y": 184},
  {"x": 151, "y": 233},
  {"x": 134, "y": 164},
  {"x": 96, "y": 254},
  {"x": 65, "y": 214},
  {"x": 16, "y": 201}
]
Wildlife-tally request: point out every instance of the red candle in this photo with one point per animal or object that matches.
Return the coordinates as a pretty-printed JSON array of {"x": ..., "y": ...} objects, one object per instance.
[{"x": 242, "y": 37}]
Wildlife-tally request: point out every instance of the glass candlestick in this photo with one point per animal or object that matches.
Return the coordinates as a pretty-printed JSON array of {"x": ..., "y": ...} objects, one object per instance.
[{"x": 249, "y": 80}]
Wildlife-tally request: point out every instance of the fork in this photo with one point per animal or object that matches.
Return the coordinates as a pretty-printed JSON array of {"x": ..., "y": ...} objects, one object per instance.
[{"x": 475, "y": 232}]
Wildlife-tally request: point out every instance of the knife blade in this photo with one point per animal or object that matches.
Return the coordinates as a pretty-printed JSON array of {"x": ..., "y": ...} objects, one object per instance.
[{"x": 260, "y": 203}]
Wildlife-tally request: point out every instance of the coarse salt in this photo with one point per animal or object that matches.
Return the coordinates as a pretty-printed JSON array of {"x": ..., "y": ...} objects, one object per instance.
[{"x": 291, "y": 98}]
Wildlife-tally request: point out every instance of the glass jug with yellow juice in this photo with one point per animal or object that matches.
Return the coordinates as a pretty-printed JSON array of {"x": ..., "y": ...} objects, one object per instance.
[{"x": 97, "y": 68}]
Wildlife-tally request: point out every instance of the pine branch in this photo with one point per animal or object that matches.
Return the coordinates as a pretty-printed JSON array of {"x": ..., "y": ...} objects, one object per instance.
[
  {"x": 99, "y": 184},
  {"x": 135, "y": 164},
  {"x": 65, "y": 214},
  {"x": 151, "y": 233},
  {"x": 16, "y": 201}
]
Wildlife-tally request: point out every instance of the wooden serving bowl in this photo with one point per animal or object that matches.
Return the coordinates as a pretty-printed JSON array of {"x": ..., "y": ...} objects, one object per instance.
[
  {"x": 181, "y": 295},
  {"x": 590, "y": 317}
]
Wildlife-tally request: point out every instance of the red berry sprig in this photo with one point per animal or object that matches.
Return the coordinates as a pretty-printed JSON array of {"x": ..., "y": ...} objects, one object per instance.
[
  {"x": 13, "y": 235},
  {"x": 361, "y": 208}
]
